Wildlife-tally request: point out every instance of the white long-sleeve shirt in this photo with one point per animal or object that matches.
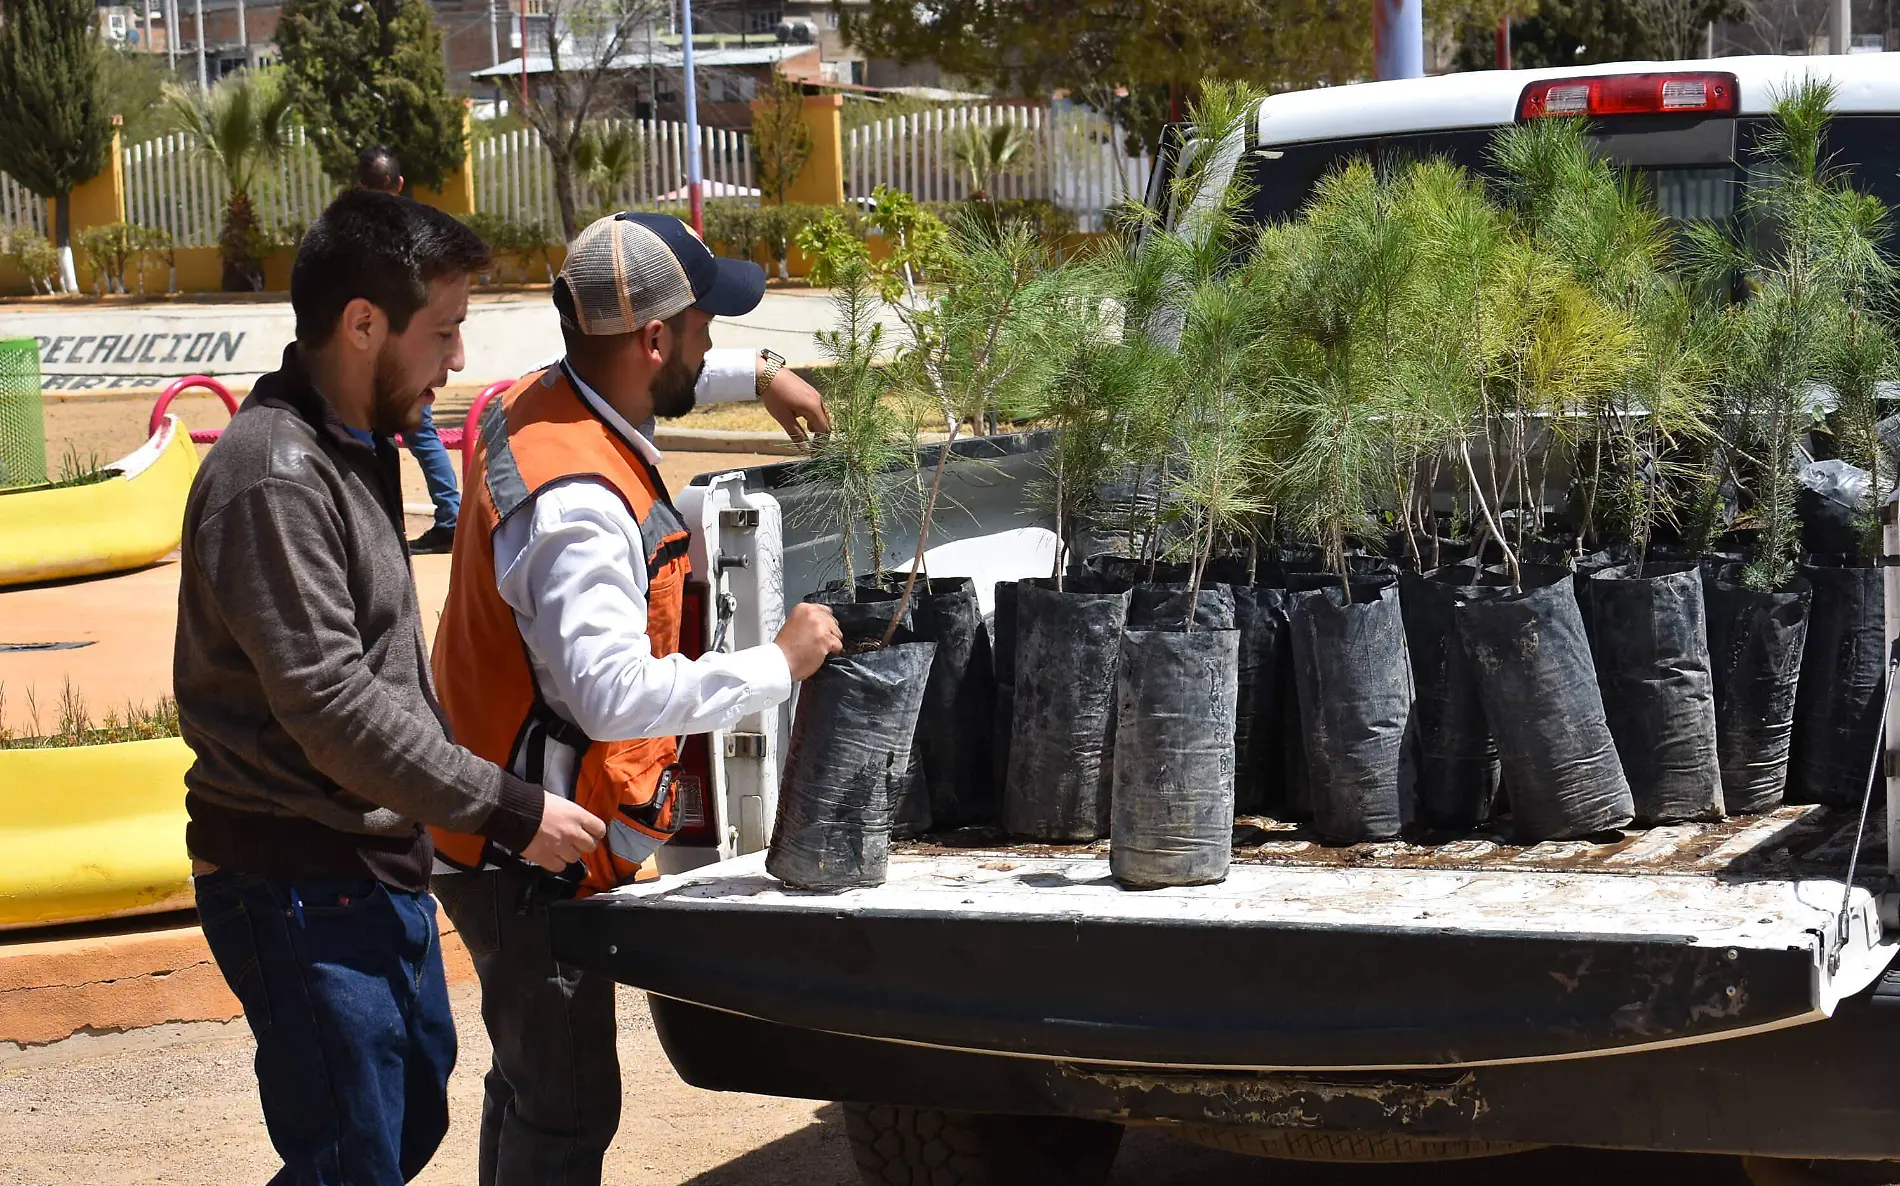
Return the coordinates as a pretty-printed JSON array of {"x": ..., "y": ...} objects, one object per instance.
[
  {"x": 730, "y": 376},
  {"x": 573, "y": 569}
]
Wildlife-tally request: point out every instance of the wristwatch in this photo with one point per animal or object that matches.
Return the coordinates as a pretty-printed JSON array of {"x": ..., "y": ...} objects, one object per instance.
[{"x": 770, "y": 364}]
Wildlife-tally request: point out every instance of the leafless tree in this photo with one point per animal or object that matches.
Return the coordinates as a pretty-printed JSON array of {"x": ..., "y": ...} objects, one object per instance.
[
  {"x": 1779, "y": 26},
  {"x": 583, "y": 40}
]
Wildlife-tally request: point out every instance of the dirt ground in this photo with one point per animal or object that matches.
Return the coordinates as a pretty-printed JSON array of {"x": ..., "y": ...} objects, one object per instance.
[{"x": 178, "y": 1104}]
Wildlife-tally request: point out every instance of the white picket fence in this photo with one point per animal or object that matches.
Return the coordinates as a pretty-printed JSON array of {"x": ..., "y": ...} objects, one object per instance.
[
  {"x": 514, "y": 176},
  {"x": 169, "y": 185},
  {"x": 19, "y": 207},
  {"x": 1074, "y": 158}
]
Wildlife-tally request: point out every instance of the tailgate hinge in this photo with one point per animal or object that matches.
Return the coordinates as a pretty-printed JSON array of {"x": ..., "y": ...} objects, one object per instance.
[
  {"x": 739, "y": 518},
  {"x": 745, "y": 745}
]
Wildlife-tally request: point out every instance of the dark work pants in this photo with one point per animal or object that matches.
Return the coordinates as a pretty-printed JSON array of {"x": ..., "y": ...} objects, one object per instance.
[
  {"x": 551, "y": 1102},
  {"x": 341, "y": 983}
]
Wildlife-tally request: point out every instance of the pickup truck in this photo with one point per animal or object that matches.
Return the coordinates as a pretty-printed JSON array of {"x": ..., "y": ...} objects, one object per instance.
[{"x": 999, "y": 1014}]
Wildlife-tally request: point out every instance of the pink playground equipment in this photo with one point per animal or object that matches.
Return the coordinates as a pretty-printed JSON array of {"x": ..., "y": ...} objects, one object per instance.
[{"x": 462, "y": 438}]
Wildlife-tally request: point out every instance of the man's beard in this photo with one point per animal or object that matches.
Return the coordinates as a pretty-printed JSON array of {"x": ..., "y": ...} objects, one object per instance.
[
  {"x": 392, "y": 410},
  {"x": 673, "y": 393}
]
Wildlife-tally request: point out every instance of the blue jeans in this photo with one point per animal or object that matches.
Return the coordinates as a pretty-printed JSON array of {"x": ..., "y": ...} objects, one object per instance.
[
  {"x": 341, "y": 982},
  {"x": 437, "y": 470}
]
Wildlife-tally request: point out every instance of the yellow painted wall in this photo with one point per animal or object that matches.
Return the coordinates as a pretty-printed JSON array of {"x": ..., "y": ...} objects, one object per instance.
[
  {"x": 821, "y": 181},
  {"x": 457, "y": 195},
  {"x": 100, "y": 201}
]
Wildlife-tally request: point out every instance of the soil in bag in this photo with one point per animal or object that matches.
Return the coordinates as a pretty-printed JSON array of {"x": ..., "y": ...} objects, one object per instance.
[
  {"x": 1555, "y": 754},
  {"x": 1135, "y": 571},
  {"x": 1651, "y": 651},
  {"x": 1355, "y": 698},
  {"x": 849, "y": 751},
  {"x": 1260, "y": 618},
  {"x": 1173, "y": 800},
  {"x": 954, "y": 730},
  {"x": 1287, "y": 765},
  {"x": 1837, "y": 705},
  {"x": 1755, "y": 646},
  {"x": 1061, "y": 751},
  {"x": 1003, "y": 659},
  {"x": 1457, "y": 762},
  {"x": 1165, "y": 607},
  {"x": 864, "y": 613}
]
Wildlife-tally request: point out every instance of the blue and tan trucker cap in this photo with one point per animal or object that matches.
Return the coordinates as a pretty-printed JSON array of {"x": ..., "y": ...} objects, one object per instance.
[{"x": 627, "y": 269}]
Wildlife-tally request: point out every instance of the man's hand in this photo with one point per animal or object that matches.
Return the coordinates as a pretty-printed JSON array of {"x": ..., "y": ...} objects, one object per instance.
[
  {"x": 568, "y": 832},
  {"x": 790, "y": 400},
  {"x": 810, "y": 633}
]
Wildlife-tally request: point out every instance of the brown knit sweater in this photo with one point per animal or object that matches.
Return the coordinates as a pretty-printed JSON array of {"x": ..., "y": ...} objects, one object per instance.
[{"x": 302, "y": 682}]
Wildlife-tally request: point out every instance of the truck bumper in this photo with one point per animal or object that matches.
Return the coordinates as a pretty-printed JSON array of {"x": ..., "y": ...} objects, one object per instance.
[{"x": 1830, "y": 1089}]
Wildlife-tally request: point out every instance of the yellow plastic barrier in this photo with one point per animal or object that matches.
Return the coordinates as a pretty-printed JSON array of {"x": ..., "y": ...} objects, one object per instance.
[
  {"x": 92, "y": 831},
  {"x": 124, "y": 522}
]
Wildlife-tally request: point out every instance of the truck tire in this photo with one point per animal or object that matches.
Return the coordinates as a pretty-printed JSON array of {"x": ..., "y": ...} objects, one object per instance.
[
  {"x": 1290, "y": 1144},
  {"x": 902, "y": 1146}
]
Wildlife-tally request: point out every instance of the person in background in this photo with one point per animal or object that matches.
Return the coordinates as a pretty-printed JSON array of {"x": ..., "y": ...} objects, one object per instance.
[
  {"x": 303, "y": 688},
  {"x": 378, "y": 169},
  {"x": 558, "y": 656}
]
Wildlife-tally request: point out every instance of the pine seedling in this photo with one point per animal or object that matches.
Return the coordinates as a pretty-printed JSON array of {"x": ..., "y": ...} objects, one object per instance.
[
  {"x": 1346, "y": 296},
  {"x": 980, "y": 343},
  {"x": 1461, "y": 237},
  {"x": 1807, "y": 268},
  {"x": 856, "y": 469}
]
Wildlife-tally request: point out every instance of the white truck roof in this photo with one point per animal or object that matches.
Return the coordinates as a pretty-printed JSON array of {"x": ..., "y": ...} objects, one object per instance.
[{"x": 1488, "y": 98}]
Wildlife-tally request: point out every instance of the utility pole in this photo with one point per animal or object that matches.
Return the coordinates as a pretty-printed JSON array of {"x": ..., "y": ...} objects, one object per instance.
[
  {"x": 694, "y": 196},
  {"x": 494, "y": 35},
  {"x": 199, "y": 19},
  {"x": 1504, "y": 42},
  {"x": 244, "y": 35},
  {"x": 171, "y": 35},
  {"x": 1841, "y": 36},
  {"x": 1398, "y": 39}
]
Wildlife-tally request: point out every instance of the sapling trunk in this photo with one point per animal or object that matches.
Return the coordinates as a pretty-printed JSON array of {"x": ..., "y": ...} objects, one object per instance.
[{"x": 1491, "y": 523}]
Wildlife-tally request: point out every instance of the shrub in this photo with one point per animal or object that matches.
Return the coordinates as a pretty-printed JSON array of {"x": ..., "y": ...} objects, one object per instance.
[
  {"x": 109, "y": 250},
  {"x": 35, "y": 255},
  {"x": 511, "y": 240},
  {"x": 1048, "y": 220}
]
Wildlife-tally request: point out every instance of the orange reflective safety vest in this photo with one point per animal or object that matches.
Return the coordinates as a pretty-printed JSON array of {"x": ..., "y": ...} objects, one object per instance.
[{"x": 538, "y": 433}]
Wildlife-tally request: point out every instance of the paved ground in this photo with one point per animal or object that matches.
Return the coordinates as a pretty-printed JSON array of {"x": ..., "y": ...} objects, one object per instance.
[{"x": 177, "y": 1104}]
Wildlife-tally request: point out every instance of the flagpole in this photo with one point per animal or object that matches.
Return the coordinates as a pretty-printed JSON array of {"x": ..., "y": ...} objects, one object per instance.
[{"x": 692, "y": 122}]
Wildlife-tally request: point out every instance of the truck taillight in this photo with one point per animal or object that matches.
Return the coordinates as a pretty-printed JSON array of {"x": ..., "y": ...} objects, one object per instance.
[
  {"x": 1631, "y": 94},
  {"x": 699, "y": 823}
]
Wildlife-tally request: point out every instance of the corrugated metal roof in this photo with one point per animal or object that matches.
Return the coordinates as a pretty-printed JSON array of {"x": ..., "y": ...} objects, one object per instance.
[{"x": 751, "y": 55}]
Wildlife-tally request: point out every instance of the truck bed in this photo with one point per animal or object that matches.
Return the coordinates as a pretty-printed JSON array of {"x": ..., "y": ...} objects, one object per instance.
[
  {"x": 1805, "y": 840},
  {"x": 1374, "y": 957}
]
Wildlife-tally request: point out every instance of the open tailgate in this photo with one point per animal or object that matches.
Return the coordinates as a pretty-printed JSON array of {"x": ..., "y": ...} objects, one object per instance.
[{"x": 1382, "y": 956}]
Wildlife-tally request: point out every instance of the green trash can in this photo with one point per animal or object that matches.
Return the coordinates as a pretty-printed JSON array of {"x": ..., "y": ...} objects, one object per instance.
[{"x": 22, "y": 418}]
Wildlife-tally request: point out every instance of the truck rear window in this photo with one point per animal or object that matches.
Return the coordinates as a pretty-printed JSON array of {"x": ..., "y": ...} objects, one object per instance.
[{"x": 1866, "y": 146}]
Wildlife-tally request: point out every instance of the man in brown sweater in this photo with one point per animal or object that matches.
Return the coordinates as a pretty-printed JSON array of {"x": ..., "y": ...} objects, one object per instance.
[{"x": 303, "y": 689}]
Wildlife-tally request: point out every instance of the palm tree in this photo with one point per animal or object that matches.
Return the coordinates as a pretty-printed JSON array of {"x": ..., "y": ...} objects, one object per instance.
[
  {"x": 242, "y": 126},
  {"x": 984, "y": 153},
  {"x": 605, "y": 158}
]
